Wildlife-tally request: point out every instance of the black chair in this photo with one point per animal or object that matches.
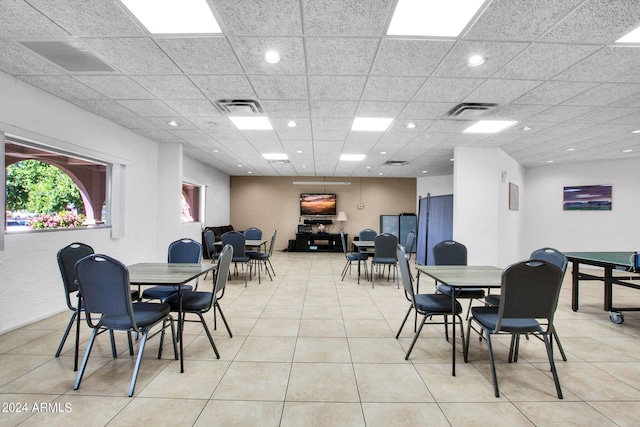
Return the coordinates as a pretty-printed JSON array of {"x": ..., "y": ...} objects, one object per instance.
[
  {"x": 556, "y": 258},
  {"x": 450, "y": 252},
  {"x": 408, "y": 245},
  {"x": 529, "y": 297},
  {"x": 67, "y": 258},
  {"x": 210, "y": 247},
  {"x": 385, "y": 255},
  {"x": 427, "y": 305},
  {"x": 352, "y": 257},
  {"x": 183, "y": 251},
  {"x": 264, "y": 257},
  {"x": 237, "y": 241},
  {"x": 201, "y": 302},
  {"x": 105, "y": 287}
]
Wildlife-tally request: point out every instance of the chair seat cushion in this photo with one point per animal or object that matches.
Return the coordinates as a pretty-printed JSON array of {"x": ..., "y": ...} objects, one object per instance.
[
  {"x": 163, "y": 292},
  {"x": 191, "y": 301},
  {"x": 488, "y": 316},
  {"x": 436, "y": 304},
  {"x": 461, "y": 293},
  {"x": 492, "y": 299},
  {"x": 240, "y": 259},
  {"x": 145, "y": 314},
  {"x": 357, "y": 257},
  {"x": 383, "y": 260},
  {"x": 258, "y": 255}
]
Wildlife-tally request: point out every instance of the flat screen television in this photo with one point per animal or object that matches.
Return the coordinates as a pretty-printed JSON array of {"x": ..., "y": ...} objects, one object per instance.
[{"x": 318, "y": 204}]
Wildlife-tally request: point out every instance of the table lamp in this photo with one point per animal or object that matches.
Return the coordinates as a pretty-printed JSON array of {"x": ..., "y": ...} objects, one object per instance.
[{"x": 342, "y": 218}]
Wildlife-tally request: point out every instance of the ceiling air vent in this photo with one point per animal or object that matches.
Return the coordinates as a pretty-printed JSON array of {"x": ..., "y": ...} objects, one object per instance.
[
  {"x": 395, "y": 162},
  {"x": 68, "y": 54},
  {"x": 470, "y": 110},
  {"x": 239, "y": 106},
  {"x": 279, "y": 162}
]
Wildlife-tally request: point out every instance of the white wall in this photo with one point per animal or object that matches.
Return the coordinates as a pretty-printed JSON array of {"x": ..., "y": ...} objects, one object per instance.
[
  {"x": 548, "y": 225},
  {"x": 29, "y": 275},
  {"x": 481, "y": 216}
]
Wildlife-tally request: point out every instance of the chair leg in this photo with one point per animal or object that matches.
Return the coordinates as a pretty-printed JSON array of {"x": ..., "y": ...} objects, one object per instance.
[
  {"x": 266, "y": 267},
  {"x": 415, "y": 338},
  {"x": 344, "y": 270},
  {"x": 206, "y": 329},
  {"x": 66, "y": 333},
  {"x": 557, "y": 340},
  {"x": 405, "y": 320},
  {"x": 94, "y": 333},
  {"x": 114, "y": 352},
  {"x": 134, "y": 378},
  {"x": 271, "y": 265},
  {"x": 556, "y": 380},
  {"x": 224, "y": 319},
  {"x": 494, "y": 377}
]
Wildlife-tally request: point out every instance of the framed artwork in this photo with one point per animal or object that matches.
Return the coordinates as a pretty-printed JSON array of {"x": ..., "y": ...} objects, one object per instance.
[
  {"x": 514, "y": 197},
  {"x": 587, "y": 198}
]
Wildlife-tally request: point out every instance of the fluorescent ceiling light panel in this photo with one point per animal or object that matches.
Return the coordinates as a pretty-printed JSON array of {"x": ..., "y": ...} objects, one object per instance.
[
  {"x": 432, "y": 18},
  {"x": 352, "y": 157},
  {"x": 376, "y": 124},
  {"x": 632, "y": 37},
  {"x": 174, "y": 16},
  {"x": 251, "y": 123},
  {"x": 275, "y": 156},
  {"x": 489, "y": 126}
]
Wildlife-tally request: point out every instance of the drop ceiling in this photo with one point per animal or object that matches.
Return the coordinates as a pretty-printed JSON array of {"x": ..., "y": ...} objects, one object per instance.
[{"x": 553, "y": 66}]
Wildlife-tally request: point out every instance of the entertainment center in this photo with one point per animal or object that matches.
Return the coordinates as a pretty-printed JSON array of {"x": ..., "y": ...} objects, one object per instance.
[
  {"x": 315, "y": 242},
  {"x": 316, "y": 207}
]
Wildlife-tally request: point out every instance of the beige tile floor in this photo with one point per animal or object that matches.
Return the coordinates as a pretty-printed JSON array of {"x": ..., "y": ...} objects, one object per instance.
[{"x": 311, "y": 350}]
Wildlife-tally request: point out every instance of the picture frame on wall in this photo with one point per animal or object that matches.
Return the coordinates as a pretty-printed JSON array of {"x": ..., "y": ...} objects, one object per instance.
[
  {"x": 587, "y": 198},
  {"x": 514, "y": 197}
]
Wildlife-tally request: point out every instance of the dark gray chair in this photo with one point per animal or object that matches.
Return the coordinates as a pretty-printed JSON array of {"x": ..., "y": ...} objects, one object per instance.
[
  {"x": 200, "y": 302},
  {"x": 352, "y": 257},
  {"x": 67, "y": 258},
  {"x": 408, "y": 245},
  {"x": 556, "y": 258},
  {"x": 237, "y": 241},
  {"x": 105, "y": 288},
  {"x": 367, "y": 235},
  {"x": 385, "y": 255},
  {"x": 450, "y": 252},
  {"x": 264, "y": 258},
  {"x": 529, "y": 297},
  {"x": 183, "y": 251},
  {"x": 210, "y": 247},
  {"x": 427, "y": 305}
]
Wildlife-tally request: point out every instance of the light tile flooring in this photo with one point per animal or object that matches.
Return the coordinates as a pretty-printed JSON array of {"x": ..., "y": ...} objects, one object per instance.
[{"x": 311, "y": 350}]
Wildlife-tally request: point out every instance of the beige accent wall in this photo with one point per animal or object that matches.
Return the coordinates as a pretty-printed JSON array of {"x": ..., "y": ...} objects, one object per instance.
[{"x": 274, "y": 203}]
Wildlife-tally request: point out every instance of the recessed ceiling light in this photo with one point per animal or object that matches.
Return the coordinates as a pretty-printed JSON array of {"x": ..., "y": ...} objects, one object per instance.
[
  {"x": 251, "y": 123},
  {"x": 275, "y": 156},
  {"x": 635, "y": 131},
  {"x": 628, "y": 150},
  {"x": 526, "y": 128},
  {"x": 368, "y": 167},
  {"x": 174, "y": 16},
  {"x": 550, "y": 161},
  {"x": 411, "y": 125},
  {"x": 304, "y": 166},
  {"x": 571, "y": 149},
  {"x": 631, "y": 37},
  {"x": 383, "y": 152},
  {"x": 272, "y": 57},
  {"x": 380, "y": 173},
  {"x": 299, "y": 151},
  {"x": 292, "y": 124},
  {"x": 441, "y": 18},
  {"x": 451, "y": 160},
  {"x": 216, "y": 151},
  {"x": 249, "y": 171},
  {"x": 424, "y": 171},
  {"x": 239, "y": 166},
  {"x": 475, "y": 60},
  {"x": 352, "y": 157},
  {"x": 173, "y": 123},
  {"x": 376, "y": 124},
  {"x": 489, "y": 126}
]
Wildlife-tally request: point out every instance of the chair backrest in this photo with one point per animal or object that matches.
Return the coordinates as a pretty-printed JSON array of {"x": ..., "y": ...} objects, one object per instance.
[
  {"x": 344, "y": 242},
  {"x": 104, "y": 284},
  {"x": 367, "y": 235},
  {"x": 273, "y": 242},
  {"x": 450, "y": 252},
  {"x": 222, "y": 272},
  {"x": 551, "y": 255},
  {"x": 529, "y": 289},
  {"x": 210, "y": 243},
  {"x": 408, "y": 245},
  {"x": 405, "y": 274},
  {"x": 253, "y": 233},
  {"x": 185, "y": 251},
  {"x": 237, "y": 240},
  {"x": 67, "y": 258},
  {"x": 385, "y": 246}
]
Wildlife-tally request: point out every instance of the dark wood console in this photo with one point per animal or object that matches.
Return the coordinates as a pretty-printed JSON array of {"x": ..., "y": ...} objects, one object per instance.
[{"x": 310, "y": 242}]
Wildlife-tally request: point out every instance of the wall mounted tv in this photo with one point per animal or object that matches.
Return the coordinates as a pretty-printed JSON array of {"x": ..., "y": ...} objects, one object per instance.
[{"x": 318, "y": 204}]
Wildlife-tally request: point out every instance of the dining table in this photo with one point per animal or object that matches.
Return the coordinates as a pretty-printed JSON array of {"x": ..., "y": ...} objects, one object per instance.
[
  {"x": 459, "y": 277},
  {"x": 363, "y": 247},
  {"x": 174, "y": 274}
]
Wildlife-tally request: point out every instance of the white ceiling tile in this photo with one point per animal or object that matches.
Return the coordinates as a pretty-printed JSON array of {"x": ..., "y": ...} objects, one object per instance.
[
  {"x": 224, "y": 87},
  {"x": 201, "y": 55},
  {"x": 251, "y": 51},
  {"x": 17, "y": 60},
  {"x": 553, "y": 93},
  {"x": 607, "y": 63},
  {"x": 20, "y": 19},
  {"x": 64, "y": 87},
  {"x": 426, "y": 110},
  {"x": 438, "y": 89},
  {"x": 286, "y": 108},
  {"x": 402, "y": 57},
  {"x": 279, "y": 87},
  {"x": 346, "y": 17},
  {"x": 340, "y": 55},
  {"x": 254, "y": 17},
  {"x": 132, "y": 55},
  {"x": 497, "y": 54},
  {"x": 380, "y": 108},
  {"x": 333, "y": 108},
  {"x": 115, "y": 87},
  {"x": 110, "y": 109},
  {"x": 336, "y": 87},
  {"x": 500, "y": 91},
  {"x": 380, "y": 88},
  {"x": 194, "y": 108},
  {"x": 604, "y": 94},
  {"x": 169, "y": 87},
  {"x": 147, "y": 108}
]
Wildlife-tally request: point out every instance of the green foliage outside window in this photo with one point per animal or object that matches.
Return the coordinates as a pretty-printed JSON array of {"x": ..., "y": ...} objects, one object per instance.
[{"x": 40, "y": 188}]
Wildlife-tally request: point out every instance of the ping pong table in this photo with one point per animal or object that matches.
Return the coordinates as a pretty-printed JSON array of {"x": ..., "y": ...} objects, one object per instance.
[{"x": 625, "y": 262}]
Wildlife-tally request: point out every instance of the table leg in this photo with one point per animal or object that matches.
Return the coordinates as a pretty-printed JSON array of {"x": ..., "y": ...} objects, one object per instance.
[
  {"x": 180, "y": 329},
  {"x": 608, "y": 288},
  {"x": 575, "y": 285},
  {"x": 453, "y": 328}
]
